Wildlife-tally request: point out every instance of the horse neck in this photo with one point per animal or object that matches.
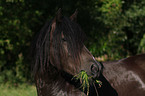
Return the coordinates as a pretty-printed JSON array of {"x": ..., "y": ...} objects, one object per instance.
[{"x": 55, "y": 85}]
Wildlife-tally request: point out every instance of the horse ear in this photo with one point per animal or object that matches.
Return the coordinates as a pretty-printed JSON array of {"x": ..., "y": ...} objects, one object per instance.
[
  {"x": 58, "y": 17},
  {"x": 73, "y": 17}
]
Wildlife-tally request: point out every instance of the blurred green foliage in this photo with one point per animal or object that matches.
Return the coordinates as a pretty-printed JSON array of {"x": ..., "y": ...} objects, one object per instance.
[
  {"x": 114, "y": 28},
  {"x": 142, "y": 45}
]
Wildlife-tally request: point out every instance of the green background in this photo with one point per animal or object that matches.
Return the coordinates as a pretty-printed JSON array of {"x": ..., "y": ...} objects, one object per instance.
[{"x": 115, "y": 29}]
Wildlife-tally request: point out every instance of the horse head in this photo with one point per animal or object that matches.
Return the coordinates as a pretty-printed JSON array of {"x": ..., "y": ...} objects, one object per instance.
[
  {"x": 58, "y": 48},
  {"x": 61, "y": 44}
]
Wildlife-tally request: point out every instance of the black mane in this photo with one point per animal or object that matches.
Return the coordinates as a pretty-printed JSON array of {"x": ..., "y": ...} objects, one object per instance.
[{"x": 41, "y": 44}]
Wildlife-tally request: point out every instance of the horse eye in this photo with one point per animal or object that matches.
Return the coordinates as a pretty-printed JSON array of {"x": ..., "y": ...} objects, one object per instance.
[{"x": 63, "y": 39}]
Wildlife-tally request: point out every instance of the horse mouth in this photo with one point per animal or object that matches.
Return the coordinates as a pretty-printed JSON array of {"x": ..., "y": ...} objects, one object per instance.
[{"x": 87, "y": 81}]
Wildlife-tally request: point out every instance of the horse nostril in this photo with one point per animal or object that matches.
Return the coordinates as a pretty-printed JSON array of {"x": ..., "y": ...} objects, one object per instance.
[{"x": 94, "y": 69}]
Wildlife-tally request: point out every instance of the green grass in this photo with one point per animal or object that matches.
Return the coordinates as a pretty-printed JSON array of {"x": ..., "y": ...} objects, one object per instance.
[
  {"x": 85, "y": 80},
  {"x": 21, "y": 90}
]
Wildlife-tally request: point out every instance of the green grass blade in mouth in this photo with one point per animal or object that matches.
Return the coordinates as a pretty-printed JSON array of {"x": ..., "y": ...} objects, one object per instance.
[
  {"x": 85, "y": 80},
  {"x": 98, "y": 82}
]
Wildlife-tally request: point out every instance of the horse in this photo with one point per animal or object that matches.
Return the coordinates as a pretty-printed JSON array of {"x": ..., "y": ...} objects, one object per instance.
[
  {"x": 59, "y": 53},
  {"x": 127, "y": 76}
]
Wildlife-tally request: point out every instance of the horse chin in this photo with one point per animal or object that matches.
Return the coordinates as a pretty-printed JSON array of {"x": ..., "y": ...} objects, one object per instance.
[{"x": 95, "y": 76}]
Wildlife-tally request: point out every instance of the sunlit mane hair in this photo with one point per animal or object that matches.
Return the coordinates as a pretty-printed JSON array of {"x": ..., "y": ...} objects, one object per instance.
[{"x": 51, "y": 35}]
